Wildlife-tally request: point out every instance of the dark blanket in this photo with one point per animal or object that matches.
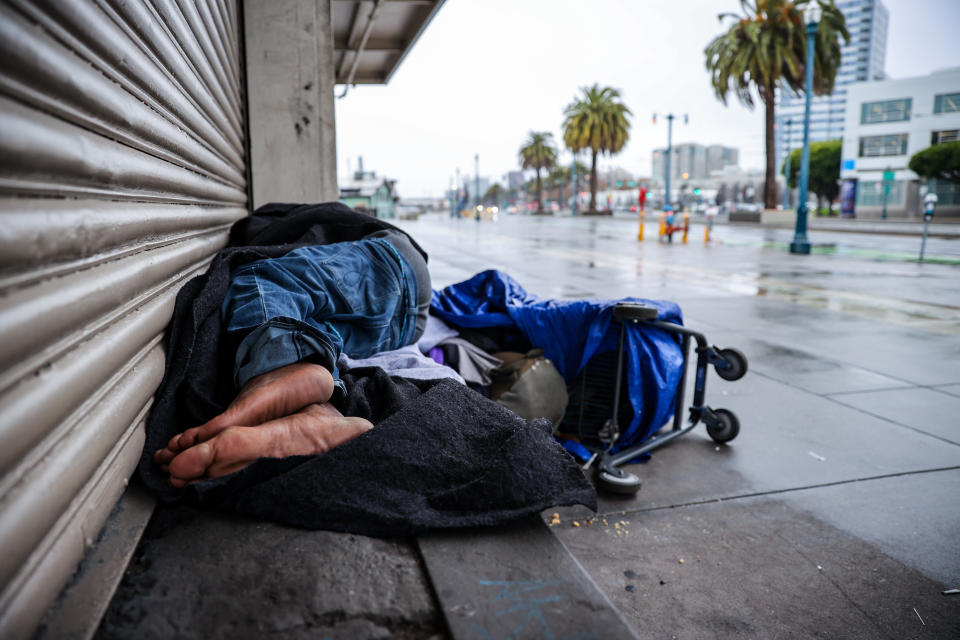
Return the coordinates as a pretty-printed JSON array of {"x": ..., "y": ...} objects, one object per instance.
[{"x": 440, "y": 455}]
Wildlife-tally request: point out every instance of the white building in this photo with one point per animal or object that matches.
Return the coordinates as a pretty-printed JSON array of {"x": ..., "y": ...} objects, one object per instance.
[
  {"x": 862, "y": 59},
  {"x": 886, "y": 123}
]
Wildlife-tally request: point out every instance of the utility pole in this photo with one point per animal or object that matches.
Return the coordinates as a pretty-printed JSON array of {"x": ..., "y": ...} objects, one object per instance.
[
  {"x": 476, "y": 179},
  {"x": 458, "y": 192},
  {"x": 786, "y": 183},
  {"x": 666, "y": 177},
  {"x": 887, "y": 179},
  {"x": 800, "y": 244}
]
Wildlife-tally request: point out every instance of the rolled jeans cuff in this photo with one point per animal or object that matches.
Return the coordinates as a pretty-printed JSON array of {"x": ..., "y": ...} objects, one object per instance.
[{"x": 280, "y": 342}]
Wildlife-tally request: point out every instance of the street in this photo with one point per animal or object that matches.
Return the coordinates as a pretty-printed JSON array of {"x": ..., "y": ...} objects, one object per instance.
[{"x": 834, "y": 513}]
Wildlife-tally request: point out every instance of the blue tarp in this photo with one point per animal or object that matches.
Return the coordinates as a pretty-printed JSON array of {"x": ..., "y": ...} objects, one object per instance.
[{"x": 571, "y": 332}]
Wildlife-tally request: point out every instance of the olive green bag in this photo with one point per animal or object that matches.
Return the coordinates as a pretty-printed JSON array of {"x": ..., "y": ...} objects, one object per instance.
[{"x": 529, "y": 385}]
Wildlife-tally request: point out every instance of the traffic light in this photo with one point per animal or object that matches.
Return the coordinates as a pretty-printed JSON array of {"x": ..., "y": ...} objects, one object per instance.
[{"x": 696, "y": 191}]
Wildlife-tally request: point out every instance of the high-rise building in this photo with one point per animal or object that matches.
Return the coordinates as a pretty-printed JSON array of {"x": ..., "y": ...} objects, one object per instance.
[
  {"x": 693, "y": 161},
  {"x": 720, "y": 157},
  {"x": 862, "y": 59},
  {"x": 514, "y": 179}
]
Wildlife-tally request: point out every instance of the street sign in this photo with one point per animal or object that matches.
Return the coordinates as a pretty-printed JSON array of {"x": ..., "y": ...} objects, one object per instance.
[{"x": 888, "y": 176}]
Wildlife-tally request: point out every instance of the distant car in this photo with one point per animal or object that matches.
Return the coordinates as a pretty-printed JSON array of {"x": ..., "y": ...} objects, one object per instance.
[{"x": 749, "y": 207}]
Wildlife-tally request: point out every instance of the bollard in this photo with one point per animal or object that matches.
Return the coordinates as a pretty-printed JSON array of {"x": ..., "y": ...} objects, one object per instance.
[
  {"x": 663, "y": 226},
  {"x": 640, "y": 231},
  {"x": 706, "y": 234},
  {"x": 686, "y": 226}
]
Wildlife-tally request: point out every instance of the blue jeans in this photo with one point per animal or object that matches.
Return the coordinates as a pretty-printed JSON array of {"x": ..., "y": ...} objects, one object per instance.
[{"x": 359, "y": 298}]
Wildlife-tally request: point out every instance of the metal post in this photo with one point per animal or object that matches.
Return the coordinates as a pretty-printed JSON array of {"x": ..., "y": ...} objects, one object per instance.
[
  {"x": 886, "y": 192},
  {"x": 458, "y": 193},
  {"x": 800, "y": 242},
  {"x": 786, "y": 183},
  {"x": 666, "y": 194},
  {"x": 923, "y": 243},
  {"x": 453, "y": 197},
  {"x": 476, "y": 185},
  {"x": 929, "y": 207}
]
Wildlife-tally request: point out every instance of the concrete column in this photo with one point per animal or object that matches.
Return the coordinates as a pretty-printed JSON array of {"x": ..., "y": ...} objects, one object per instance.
[{"x": 290, "y": 87}]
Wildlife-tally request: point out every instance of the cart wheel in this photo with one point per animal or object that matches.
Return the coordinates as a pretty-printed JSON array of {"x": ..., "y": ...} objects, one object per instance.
[
  {"x": 634, "y": 311},
  {"x": 726, "y": 426},
  {"x": 733, "y": 366},
  {"x": 616, "y": 480}
]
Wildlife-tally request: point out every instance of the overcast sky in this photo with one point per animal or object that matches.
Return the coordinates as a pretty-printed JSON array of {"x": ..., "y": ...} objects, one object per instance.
[{"x": 486, "y": 72}]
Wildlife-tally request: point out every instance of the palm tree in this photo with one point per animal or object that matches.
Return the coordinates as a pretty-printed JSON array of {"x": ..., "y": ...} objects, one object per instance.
[
  {"x": 493, "y": 194},
  {"x": 766, "y": 49},
  {"x": 559, "y": 178},
  {"x": 598, "y": 121},
  {"x": 538, "y": 153}
]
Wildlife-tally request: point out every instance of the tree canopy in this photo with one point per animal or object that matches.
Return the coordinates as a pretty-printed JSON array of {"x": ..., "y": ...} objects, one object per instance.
[
  {"x": 941, "y": 161},
  {"x": 765, "y": 49},
  {"x": 597, "y": 121},
  {"x": 824, "y": 168},
  {"x": 493, "y": 194}
]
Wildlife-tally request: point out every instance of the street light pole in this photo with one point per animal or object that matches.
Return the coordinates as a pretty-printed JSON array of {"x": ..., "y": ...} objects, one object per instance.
[
  {"x": 886, "y": 191},
  {"x": 458, "y": 192},
  {"x": 476, "y": 179},
  {"x": 666, "y": 178},
  {"x": 800, "y": 243},
  {"x": 666, "y": 164},
  {"x": 786, "y": 183}
]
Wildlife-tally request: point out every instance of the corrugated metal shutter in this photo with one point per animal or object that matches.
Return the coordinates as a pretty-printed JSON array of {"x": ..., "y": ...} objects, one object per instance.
[{"x": 122, "y": 165}]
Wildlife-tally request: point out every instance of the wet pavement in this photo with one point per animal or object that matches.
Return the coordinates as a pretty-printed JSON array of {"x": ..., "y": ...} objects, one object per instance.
[{"x": 835, "y": 513}]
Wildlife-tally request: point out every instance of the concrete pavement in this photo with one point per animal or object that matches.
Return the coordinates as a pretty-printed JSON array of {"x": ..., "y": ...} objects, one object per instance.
[{"x": 833, "y": 514}]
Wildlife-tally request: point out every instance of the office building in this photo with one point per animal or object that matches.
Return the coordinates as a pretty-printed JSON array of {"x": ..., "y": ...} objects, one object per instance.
[
  {"x": 693, "y": 161},
  {"x": 886, "y": 124},
  {"x": 862, "y": 59}
]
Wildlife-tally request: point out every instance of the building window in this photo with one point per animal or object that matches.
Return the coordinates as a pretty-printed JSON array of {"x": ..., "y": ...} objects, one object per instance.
[
  {"x": 939, "y": 137},
  {"x": 870, "y": 194},
  {"x": 875, "y": 146},
  {"x": 948, "y": 193},
  {"x": 946, "y": 103},
  {"x": 885, "y": 111}
]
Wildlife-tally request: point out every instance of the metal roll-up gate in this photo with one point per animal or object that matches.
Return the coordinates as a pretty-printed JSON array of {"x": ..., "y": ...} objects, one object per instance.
[{"x": 122, "y": 166}]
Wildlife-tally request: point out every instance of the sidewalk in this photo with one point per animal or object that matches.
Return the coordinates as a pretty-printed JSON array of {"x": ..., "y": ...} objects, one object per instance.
[
  {"x": 833, "y": 514},
  {"x": 938, "y": 228},
  {"x": 893, "y": 227}
]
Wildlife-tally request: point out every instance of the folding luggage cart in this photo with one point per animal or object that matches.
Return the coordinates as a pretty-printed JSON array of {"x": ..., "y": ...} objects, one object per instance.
[{"x": 589, "y": 401}]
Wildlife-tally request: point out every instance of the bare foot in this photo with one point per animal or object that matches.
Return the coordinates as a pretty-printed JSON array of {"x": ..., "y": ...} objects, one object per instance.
[
  {"x": 315, "y": 429},
  {"x": 269, "y": 396}
]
